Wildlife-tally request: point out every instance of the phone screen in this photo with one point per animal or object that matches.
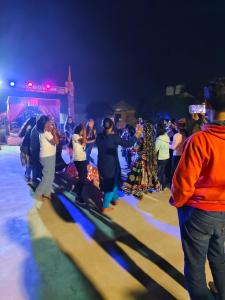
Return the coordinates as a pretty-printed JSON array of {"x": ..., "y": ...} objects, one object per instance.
[{"x": 197, "y": 109}]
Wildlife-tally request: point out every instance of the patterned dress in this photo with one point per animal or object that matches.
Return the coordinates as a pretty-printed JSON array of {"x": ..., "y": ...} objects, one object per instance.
[{"x": 143, "y": 175}]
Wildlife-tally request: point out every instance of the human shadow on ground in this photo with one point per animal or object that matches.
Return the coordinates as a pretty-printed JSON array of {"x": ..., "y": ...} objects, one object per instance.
[
  {"x": 107, "y": 233},
  {"x": 48, "y": 273}
]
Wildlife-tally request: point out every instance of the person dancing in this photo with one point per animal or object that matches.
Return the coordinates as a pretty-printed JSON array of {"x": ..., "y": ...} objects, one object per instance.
[
  {"x": 49, "y": 138},
  {"x": 108, "y": 161},
  {"x": 143, "y": 175}
]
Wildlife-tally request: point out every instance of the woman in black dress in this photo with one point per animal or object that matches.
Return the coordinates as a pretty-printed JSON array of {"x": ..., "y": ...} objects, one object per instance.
[{"x": 108, "y": 161}]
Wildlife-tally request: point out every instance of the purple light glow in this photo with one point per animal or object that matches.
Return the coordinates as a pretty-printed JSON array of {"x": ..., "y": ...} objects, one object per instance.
[
  {"x": 30, "y": 84},
  {"x": 164, "y": 227}
]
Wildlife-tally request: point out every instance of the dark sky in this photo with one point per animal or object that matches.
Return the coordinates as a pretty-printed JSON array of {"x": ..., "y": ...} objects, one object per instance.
[{"x": 118, "y": 49}]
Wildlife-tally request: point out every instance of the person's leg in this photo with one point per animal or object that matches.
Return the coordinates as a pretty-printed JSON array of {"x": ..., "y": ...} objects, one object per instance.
[
  {"x": 160, "y": 171},
  {"x": 196, "y": 232},
  {"x": 35, "y": 172},
  {"x": 129, "y": 158},
  {"x": 108, "y": 197},
  {"x": 115, "y": 193},
  {"x": 163, "y": 174},
  {"x": 48, "y": 172},
  {"x": 90, "y": 158},
  {"x": 81, "y": 167},
  {"x": 28, "y": 171},
  {"x": 216, "y": 256},
  {"x": 88, "y": 152},
  {"x": 175, "y": 161}
]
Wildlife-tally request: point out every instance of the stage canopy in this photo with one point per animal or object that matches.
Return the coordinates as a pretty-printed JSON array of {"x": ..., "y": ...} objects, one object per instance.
[{"x": 25, "y": 107}]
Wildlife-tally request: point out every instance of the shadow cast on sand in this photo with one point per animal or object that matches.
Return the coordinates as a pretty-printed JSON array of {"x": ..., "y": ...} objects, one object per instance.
[
  {"x": 48, "y": 273},
  {"x": 108, "y": 242}
]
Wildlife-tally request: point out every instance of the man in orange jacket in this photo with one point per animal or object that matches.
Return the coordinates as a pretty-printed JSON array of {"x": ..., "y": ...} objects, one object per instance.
[{"x": 198, "y": 191}]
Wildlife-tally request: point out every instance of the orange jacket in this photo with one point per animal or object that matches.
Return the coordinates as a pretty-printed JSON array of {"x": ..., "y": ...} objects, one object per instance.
[{"x": 199, "y": 180}]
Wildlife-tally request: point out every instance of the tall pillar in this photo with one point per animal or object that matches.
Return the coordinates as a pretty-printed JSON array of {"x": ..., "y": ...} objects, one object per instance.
[{"x": 70, "y": 96}]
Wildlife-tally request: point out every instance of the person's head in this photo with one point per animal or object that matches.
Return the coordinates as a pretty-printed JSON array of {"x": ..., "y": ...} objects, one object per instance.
[
  {"x": 44, "y": 124},
  {"x": 69, "y": 120},
  {"x": 79, "y": 129},
  {"x": 107, "y": 125},
  {"x": 214, "y": 94},
  {"x": 160, "y": 130},
  {"x": 91, "y": 123},
  {"x": 29, "y": 124},
  {"x": 127, "y": 128},
  {"x": 180, "y": 126},
  {"x": 131, "y": 131},
  {"x": 172, "y": 123}
]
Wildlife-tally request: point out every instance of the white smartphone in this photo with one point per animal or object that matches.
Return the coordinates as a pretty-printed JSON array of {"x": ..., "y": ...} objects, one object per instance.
[{"x": 197, "y": 109}]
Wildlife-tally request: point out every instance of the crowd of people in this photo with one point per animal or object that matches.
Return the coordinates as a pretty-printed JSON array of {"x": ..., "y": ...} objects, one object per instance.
[
  {"x": 151, "y": 156},
  {"x": 158, "y": 156}
]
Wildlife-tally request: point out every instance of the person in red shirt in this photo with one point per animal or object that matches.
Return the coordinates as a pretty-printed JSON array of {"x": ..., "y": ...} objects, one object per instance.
[{"x": 198, "y": 192}]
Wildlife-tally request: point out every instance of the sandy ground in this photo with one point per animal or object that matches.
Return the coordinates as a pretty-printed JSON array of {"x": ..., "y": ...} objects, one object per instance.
[{"x": 64, "y": 251}]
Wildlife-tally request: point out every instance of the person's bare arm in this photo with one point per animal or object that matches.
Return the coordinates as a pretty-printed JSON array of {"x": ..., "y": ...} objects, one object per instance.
[
  {"x": 84, "y": 142},
  {"x": 55, "y": 140}
]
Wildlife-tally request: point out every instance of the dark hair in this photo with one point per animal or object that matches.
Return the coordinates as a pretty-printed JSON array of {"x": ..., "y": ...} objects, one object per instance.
[
  {"x": 107, "y": 123},
  {"x": 160, "y": 130},
  {"x": 183, "y": 131},
  {"x": 69, "y": 118},
  {"x": 41, "y": 122},
  {"x": 214, "y": 93},
  {"x": 78, "y": 129},
  {"x": 88, "y": 127},
  {"x": 30, "y": 122}
]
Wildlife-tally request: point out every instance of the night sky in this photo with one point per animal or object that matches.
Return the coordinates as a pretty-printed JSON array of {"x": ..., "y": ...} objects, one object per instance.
[{"x": 118, "y": 49}]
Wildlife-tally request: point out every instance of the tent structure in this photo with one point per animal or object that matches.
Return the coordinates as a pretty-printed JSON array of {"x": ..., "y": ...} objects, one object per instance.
[{"x": 17, "y": 106}]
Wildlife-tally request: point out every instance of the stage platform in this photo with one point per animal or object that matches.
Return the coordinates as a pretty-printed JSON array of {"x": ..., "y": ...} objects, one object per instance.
[{"x": 64, "y": 251}]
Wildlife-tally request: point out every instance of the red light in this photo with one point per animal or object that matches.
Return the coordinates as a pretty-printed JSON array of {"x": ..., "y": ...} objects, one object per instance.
[{"x": 30, "y": 84}]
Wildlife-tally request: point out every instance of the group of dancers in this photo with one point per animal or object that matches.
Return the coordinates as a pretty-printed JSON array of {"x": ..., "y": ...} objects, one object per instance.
[{"x": 147, "y": 150}]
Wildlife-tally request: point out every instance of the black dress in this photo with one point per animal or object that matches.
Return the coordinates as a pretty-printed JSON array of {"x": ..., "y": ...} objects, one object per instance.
[{"x": 108, "y": 161}]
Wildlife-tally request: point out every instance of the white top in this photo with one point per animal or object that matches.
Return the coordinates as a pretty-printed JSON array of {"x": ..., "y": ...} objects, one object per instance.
[
  {"x": 79, "y": 153},
  {"x": 178, "y": 144},
  {"x": 46, "y": 148},
  {"x": 162, "y": 146}
]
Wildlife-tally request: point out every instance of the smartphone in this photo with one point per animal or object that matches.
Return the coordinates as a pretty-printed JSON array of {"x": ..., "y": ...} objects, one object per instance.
[{"x": 197, "y": 109}]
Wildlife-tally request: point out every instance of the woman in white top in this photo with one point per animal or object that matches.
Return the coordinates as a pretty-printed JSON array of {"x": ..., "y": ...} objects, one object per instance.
[
  {"x": 79, "y": 157},
  {"x": 48, "y": 140},
  {"x": 163, "y": 153},
  {"x": 177, "y": 145}
]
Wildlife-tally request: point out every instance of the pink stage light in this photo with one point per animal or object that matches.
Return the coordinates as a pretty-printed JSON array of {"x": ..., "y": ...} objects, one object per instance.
[
  {"x": 48, "y": 86},
  {"x": 30, "y": 84}
]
